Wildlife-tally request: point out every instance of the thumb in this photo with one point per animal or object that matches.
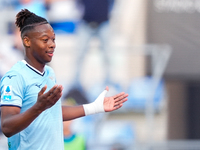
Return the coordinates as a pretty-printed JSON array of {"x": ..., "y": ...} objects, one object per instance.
[
  {"x": 42, "y": 90},
  {"x": 107, "y": 88}
]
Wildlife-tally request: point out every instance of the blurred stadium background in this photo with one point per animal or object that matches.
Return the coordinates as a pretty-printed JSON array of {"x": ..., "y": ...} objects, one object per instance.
[{"x": 154, "y": 54}]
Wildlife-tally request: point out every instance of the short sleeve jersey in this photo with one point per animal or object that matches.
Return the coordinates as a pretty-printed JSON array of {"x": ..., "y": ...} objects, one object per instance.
[{"x": 20, "y": 87}]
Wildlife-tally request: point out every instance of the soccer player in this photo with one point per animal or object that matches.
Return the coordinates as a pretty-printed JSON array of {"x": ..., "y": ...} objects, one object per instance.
[{"x": 31, "y": 112}]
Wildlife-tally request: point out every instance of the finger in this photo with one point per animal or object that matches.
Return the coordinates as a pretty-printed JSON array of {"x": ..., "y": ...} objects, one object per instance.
[
  {"x": 117, "y": 106},
  {"x": 51, "y": 90},
  {"x": 118, "y": 95},
  {"x": 58, "y": 89},
  {"x": 42, "y": 90},
  {"x": 107, "y": 88},
  {"x": 55, "y": 97},
  {"x": 120, "y": 101},
  {"x": 57, "y": 93},
  {"x": 121, "y": 97}
]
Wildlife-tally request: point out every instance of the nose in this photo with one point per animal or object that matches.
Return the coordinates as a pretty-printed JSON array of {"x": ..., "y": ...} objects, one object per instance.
[{"x": 52, "y": 43}]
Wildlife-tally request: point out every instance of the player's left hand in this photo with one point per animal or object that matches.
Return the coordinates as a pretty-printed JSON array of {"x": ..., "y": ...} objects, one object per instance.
[{"x": 114, "y": 102}]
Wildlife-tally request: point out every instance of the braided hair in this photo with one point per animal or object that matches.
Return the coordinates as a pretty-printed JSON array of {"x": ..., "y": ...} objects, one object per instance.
[{"x": 26, "y": 20}]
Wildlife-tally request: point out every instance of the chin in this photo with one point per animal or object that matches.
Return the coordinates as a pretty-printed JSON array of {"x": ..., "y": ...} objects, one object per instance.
[{"x": 48, "y": 60}]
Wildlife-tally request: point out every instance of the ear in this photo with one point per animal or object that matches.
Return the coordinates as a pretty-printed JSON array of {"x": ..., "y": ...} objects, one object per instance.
[{"x": 26, "y": 41}]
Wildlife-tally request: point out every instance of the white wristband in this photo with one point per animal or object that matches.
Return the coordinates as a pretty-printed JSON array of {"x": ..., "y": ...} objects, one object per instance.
[{"x": 96, "y": 106}]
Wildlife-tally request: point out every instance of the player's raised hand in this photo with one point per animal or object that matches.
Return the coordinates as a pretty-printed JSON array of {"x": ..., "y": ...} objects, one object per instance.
[
  {"x": 48, "y": 99},
  {"x": 105, "y": 104},
  {"x": 114, "y": 102}
]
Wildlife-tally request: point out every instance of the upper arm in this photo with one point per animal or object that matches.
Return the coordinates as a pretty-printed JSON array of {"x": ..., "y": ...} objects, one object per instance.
[
  {"x": 11, "y": 90},
  {"x": 8, "y": 111}
]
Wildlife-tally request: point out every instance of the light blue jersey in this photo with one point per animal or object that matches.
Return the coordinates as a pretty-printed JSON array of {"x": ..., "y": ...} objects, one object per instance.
[{"x": 20, "y": 87}]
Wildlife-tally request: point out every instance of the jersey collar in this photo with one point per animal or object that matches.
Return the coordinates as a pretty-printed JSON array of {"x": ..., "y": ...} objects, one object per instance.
[{"x": 34, "y": 69}]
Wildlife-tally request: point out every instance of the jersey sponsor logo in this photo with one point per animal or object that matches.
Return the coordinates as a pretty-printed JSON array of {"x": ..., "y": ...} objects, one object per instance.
[
  {"x": 7, "y": 94},
  {"x": 10, "y": 76},
  {"x": 38, "y": 85}
]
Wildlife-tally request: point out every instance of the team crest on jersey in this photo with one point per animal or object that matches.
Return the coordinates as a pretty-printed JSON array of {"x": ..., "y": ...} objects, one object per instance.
[
  {"x": 7, "y": 92},
  {"x": 52, "y": 78}
]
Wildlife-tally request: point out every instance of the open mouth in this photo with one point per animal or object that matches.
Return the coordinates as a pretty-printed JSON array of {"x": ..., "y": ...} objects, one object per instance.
[{"x": 50, "y": 54}]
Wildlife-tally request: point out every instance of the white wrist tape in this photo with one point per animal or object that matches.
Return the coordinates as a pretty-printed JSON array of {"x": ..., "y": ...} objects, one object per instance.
[{"x": 96, "y": 106}]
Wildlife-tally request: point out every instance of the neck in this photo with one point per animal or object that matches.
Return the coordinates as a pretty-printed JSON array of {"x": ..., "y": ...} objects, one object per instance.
[{"x": 35, "y": 64}]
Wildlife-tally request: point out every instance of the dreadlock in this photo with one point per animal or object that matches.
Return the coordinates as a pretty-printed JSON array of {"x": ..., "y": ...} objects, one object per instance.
[{"x": 26, "y": 20}]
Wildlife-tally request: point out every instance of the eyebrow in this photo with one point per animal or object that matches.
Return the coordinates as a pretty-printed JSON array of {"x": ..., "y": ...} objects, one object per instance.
[{"x": 47, "y": 35}]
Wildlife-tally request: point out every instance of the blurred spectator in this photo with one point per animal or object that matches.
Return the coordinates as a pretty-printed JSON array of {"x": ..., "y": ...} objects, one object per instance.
[
  {"x": 94, "y": 23},
  {"x": 72, "y": 140}
]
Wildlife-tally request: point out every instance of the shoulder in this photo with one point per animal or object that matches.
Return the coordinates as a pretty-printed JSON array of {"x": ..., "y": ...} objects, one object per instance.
[
  {"x": 17, "y": 68},
  {"x": 14, "y": 74},
  {"x": 49, "y": 69},
  {"x": 12, "y": 77}
]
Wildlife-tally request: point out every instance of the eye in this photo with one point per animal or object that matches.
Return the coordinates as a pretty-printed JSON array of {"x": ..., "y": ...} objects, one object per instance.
[{"x": 45, "y": 40}]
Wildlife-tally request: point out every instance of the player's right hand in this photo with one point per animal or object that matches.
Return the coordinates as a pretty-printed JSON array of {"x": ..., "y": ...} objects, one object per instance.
[{"x": 48, "y": 99}]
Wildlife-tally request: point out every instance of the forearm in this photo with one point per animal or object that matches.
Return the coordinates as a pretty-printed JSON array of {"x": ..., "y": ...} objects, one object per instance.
[
  {"x": 15, "y": 123},
  {"x": 72, "y": 112}
]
